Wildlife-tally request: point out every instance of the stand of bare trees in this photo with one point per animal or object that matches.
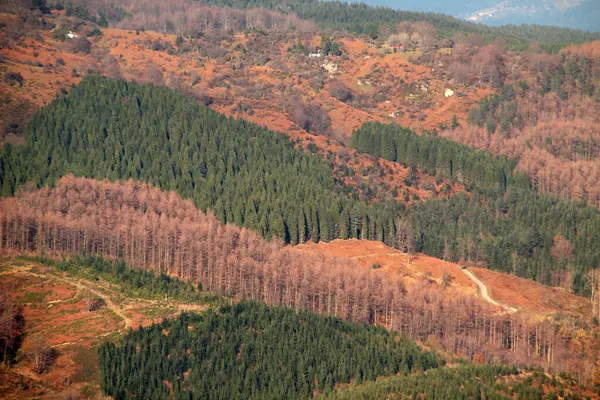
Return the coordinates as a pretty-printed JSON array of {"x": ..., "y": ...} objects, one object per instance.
[
  {"x": 41, "y": 354},
  {"x": 184, "y": 18},
  {"x": 161, "y": 232}
]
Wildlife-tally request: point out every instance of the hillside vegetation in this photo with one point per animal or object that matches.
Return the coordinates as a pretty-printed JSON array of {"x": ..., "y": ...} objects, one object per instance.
[
  {"x": 255, "y": 178},
  {"x": 464, "y": 382},
  {"x": 251, "y": 341},
  {"x": 360, "y": 18},
  {"x": 254, "y": 64},
  {"x": 159, "y": 232},
  {"x": 545, "y": 117},
  {"x": 158, "y": 154},
  {"x": 505, "y": 225},
  {"x": 246, "y": 174},
  {"x": 250, "y": 351},
  {"x": 55, "y": 315}
]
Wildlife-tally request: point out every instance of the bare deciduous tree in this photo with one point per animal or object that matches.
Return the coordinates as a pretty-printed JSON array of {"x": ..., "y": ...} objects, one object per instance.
[
  {"x": 91, "y": 300},
  {"x": 562, "y": 250},
  {"x": 41, "y": 354},
  {"x": 446, "y": 279},
  {"x": 592, "y": 280},
  {"x": 405, "y": 236}
]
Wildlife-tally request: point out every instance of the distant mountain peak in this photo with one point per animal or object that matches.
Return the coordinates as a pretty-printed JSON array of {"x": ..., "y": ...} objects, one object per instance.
[
  {"x": 501, "y": 10},
  {"x": 576, "y": 14},
  {"x": 565, "y": 4},
  {"x": 579, "y": 14}
]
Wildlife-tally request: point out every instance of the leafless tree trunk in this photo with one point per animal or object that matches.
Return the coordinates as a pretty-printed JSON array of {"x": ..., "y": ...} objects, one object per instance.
[
  {"x": 41, "y": 354},
  {"x": 405, "y": 236}
]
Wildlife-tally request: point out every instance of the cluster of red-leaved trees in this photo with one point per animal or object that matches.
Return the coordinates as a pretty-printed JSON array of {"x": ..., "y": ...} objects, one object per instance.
[{"x": 159, "y": 231}]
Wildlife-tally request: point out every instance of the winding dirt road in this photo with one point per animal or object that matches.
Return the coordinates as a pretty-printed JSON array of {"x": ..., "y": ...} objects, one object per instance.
[
  {"x": 98, "y": 289},
  {"x": 485, "y": 294}
]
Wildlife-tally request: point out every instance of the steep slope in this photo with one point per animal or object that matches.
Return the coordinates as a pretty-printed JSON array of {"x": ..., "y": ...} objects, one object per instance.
[
  {"x": 69, "y": 310},
  {"x": 229, "y": 73},
  {"x": 514, "y": 292},
  {"x": 426, "y": 299}
]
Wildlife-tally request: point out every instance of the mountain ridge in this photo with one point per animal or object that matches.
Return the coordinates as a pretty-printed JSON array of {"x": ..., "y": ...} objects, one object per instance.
[{"x": 575, "y": 14}]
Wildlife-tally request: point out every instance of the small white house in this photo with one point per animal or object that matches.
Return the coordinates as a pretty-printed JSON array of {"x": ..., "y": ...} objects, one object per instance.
[
  {"x": 315, "y": 55},
  {"x": 449, "y": 93},
  {"x": 71, "y": 35}
]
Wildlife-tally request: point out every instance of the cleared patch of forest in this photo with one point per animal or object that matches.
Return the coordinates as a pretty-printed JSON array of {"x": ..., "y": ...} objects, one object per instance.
[
  {"x": 55, "y": 315},
  {"x": 520, "y": 293}
]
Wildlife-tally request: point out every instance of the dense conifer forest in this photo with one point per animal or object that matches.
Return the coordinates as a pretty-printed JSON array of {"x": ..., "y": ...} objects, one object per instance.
[
  {"x": 463, "y": 382},
  {"x": 245, "y": 174},
  {"x": 250, "y": 351}
]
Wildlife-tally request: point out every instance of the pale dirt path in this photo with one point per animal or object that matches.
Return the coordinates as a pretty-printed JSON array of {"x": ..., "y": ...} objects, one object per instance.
[
  {"x": 483, "y": 290},
  {"x": 391, "y": 254},
  {"x": 26, "y": 270},
  {"x": 82, "y": 285}
]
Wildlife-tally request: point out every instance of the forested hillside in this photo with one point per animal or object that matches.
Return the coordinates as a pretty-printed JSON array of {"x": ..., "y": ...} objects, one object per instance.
[
  {"x": 254, "y": 178},
  {"x": 249, "y": 351},
  {"x": 505, "y": 224},
  {"x": 463, "y": 382},
  {"x": 245, "y": 174},
  {"x": 235, "y": 350},
  {"x": 360, "y": 18},
  {"x": 159, "y": 232},
  {"x": 166, "y": 157},
  {"x": 354, "y": 17}
]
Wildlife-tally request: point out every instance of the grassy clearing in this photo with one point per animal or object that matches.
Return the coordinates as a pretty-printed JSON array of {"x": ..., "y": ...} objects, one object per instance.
[{"x": 32, "y": 298}]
